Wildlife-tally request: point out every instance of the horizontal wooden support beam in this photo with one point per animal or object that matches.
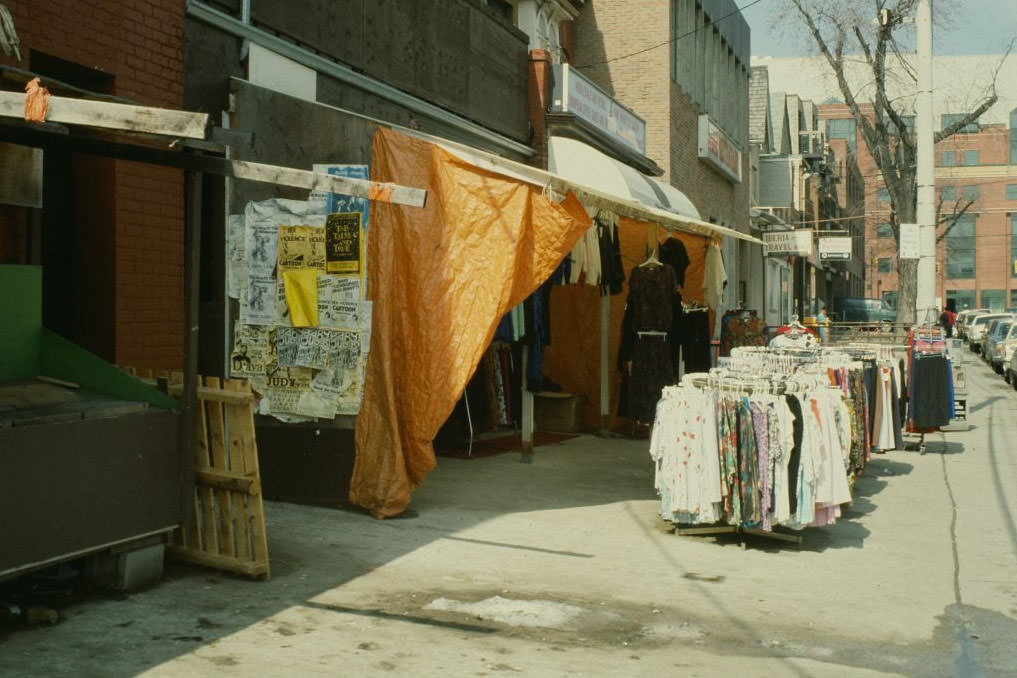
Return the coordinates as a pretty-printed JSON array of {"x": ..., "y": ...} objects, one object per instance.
[
  {"x": 219, "y": 561},
  {"x": 218, "y": 395},
  {"x": 44, "y": 136},
  {"x": 359, "y": 188},
  {"x": 108, "y": 115},
  {"x": 226, "y": 480}
]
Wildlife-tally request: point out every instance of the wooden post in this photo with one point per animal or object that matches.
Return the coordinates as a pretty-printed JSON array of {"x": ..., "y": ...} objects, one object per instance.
[
  {"x": 526, "y": 421},
  {"x": 605, "y": 362},
  {"x": 192, "y": 277}
]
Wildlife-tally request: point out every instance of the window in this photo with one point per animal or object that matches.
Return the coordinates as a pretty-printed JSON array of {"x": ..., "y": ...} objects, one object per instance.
[
  {"x": 948, "y": 158},
  {"x": 970, "y": 157},
  {"x": 948, "y": 193},
  {"x": 884, "y": 230},
  {"x": 891, "y": 299},
  {"x": 960, "y": 248},
  {"x": 1011, "y": 191},
  {"x": 993, "y": 300},
  {"x": 948, "y": 119},
  {"x": 962, "y": 298},
  {"x": 909, "y": 123},
  {"x": 1013, "y": 245},
  {"x": 971, "y": 192},
  {"x": 1013, "y": 299},
  {"x": 710, "y": 62},
  {"x": 882, "y": 195},
  {"x": 842, "y": 129},
  {"x": 1013, "y": 137},
  {"x": 884, "y": 265}
]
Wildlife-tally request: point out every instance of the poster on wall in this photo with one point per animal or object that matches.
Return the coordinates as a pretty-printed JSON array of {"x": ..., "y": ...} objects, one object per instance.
[
  {"x": 343, "y": 243},
  {"x": 303, "y": 333}
]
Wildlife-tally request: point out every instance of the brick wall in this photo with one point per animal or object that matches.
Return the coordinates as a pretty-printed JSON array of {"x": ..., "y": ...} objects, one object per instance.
[
  {"x": 609, "y": 29},
  {"x": 140, "y": 44},
  {"x": 993, "y": 265}
]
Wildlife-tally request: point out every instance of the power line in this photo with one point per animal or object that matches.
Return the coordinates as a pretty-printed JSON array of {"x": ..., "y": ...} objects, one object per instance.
[{"x": 712, "y": 22}]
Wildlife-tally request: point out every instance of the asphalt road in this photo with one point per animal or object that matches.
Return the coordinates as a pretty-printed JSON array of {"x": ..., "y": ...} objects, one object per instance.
[{"x": 561, "y": 567}]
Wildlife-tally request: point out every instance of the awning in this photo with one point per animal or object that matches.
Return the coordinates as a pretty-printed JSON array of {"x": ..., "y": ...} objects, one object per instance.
[
  {"x": 575, "y": 161},
  {"x": 615, "y": 187}
]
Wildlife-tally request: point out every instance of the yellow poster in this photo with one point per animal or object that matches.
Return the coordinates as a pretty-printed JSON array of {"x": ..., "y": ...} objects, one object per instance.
[
  {"x": 301, "y": 247},
  {"x": 344, "y": 245}
]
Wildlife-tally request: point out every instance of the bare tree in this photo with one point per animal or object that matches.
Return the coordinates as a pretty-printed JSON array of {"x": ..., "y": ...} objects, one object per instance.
[{"x": 840, "y": 26}]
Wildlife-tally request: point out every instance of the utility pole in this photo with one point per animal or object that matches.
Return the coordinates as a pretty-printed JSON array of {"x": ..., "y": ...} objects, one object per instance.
[{"x": 925, "y": 299}]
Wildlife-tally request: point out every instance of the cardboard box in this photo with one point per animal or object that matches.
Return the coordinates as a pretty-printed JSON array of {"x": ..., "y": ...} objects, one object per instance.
[{"x": 559, "y": 412}]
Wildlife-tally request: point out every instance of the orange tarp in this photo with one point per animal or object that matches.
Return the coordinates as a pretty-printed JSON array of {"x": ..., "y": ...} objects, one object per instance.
[{"x": 441, "y": 279}]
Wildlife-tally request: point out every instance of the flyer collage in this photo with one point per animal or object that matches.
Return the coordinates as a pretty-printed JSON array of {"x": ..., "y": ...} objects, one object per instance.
[{"x": 304, "y": 328}]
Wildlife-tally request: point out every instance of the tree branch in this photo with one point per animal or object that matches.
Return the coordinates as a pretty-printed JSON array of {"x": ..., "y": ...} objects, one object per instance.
[
  {"x": 951, "y": 220},
  {"x": 986, "y": 104}
]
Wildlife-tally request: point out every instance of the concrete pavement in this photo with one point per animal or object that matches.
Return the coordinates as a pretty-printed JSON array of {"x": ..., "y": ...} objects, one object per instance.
[{"x": 562, "y": 568}]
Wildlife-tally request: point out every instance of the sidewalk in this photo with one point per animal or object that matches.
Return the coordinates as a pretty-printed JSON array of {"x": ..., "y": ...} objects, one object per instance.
[{"x": 562, "y": 568}]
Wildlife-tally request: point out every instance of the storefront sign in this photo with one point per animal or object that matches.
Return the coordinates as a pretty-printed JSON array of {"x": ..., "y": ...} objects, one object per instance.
[
  {"x": 719, "y": 150},
  {"x": 784, "y": 243},
  {"x": 574, "y": 93},
  {"x": 835, "y": 248},
  {"x": 909, "y": 241}
]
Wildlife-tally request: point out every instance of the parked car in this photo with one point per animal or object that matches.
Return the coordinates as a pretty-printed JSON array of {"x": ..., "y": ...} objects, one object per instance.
[
  {"x": 1009, "y": 348},
  {"x": 960, "y": 325},
  {"x": 993, "y": 342},
  {"x": 977, "y": 327},
  {"x": 862, "y": 310}
]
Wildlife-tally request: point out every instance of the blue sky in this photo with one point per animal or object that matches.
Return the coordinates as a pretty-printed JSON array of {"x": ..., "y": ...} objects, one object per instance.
[{"x": 979, "y": 27}]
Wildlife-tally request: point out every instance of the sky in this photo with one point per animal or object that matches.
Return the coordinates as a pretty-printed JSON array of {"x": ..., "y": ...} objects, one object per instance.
[{"x": 978, "y": 27}]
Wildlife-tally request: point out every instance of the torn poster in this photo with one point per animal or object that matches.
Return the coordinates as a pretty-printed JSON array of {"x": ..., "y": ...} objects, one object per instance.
[
  {"x": 339, "y": 288},
  {"x": 253, "y": 351},
  {"x": 344, "y": 385},
  {"x": 258, "y": 304},
  {"x": 344, "y": 315},
  {"x": 236, "y": 254}
]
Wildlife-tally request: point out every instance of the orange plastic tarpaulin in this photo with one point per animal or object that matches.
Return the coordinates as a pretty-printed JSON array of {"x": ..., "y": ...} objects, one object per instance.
[{"x": 441, "y": 279}]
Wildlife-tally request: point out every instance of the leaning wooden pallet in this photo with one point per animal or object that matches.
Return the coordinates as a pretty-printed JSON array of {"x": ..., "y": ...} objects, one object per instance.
[{"x": 228, "y": 527}]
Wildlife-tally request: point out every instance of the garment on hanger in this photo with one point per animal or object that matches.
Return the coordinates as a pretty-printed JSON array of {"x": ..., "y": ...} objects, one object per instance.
[
  {"x": 612, "y": 272},
  {"x": 715, "y": 277},
  {"x": 694, "y": 337},
  {"x": 644, "y": 343}
]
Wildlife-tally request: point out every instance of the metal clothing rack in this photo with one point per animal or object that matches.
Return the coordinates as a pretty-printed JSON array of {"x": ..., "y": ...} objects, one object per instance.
[{"x": 707, "y": 530}]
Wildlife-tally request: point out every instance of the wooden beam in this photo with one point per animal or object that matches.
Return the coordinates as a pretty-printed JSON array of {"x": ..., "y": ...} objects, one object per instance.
[
  {"x": 225, "y": 480},
  {"x": 218, "y": 395},
  {"x": 33, "y": 135},
  {"x": 223, "y": 562},
  {"x": 359, "y": 188},
  {"x": 108, "y": 115}
]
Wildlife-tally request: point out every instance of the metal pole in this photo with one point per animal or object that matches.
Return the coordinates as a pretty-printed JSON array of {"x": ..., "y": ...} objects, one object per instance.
[{"x": 925, "y": 299}]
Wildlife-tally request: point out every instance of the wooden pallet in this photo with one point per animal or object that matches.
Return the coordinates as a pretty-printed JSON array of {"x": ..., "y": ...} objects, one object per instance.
[{"x": 228, "y": 528}]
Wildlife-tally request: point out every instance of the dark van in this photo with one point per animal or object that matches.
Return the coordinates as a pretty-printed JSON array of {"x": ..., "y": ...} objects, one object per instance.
[{"x": 862, "y": 310}]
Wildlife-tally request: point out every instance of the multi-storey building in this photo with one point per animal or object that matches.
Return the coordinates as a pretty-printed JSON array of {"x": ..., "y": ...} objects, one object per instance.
[
  {"x": 976, "y": 188},
  {"x": 686, "y": 74}
]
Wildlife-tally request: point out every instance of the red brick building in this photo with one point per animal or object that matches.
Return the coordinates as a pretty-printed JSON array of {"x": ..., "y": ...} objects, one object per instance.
[
  {"x": 110, "y": 234},
  {"x": 976, "y": 257}
]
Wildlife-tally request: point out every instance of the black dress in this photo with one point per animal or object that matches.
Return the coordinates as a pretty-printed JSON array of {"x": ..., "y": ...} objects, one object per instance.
[{"x": 648, "y": 309}]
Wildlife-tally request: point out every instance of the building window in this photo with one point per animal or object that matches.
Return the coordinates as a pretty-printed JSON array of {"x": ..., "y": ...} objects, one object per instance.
[
  {"x": 1013, "y": 137},
  {"x": 909, "y": 124},
  {"x": 1013, "y": 245},
  {"x": 962, "y": 298},
  {"x": 710, "y": 62},
  {"x": 882, "y": 195},
  {"x": 1013, "y": 299},
  {"x": 971, "y": 157},
  {"x": 842, "y": 129},
  {"x": 971, "y": 192},
  {"x": 884, "y": 230},
  {"x": 960, "y": 248},
  {"x": 1011, "y": 191},
  {"x": 993, "y": 300},
  {"x": 948, "y": 193},
  {"x": 884, "y": 265},
  {"x": 948, "y": 119},
  {"x": 948, "y": 158}
]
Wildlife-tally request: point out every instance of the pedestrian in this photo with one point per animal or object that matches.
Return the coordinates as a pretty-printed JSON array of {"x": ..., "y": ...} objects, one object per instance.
[
  {"x": 946, "y": 320},
  {"x": 823, "y": 325}
]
